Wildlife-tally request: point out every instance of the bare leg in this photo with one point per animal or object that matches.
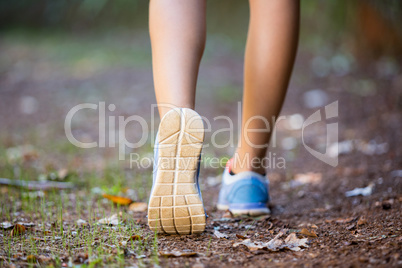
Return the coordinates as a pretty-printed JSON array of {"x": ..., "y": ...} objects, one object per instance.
[
  {"x": 270, "y": 53},
  {"x": 177, "y": 30}
]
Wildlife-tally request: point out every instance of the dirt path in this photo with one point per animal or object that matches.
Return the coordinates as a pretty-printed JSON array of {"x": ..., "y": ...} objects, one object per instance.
[{"x": 38, "y": 88}]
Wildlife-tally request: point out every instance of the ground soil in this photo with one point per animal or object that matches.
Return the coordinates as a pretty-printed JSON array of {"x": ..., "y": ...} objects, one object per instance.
[{"x": 359, "y": 231}]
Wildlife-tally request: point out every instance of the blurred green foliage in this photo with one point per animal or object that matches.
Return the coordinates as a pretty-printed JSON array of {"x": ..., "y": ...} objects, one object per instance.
[
  {"x": 73, "y": 14},
  {"x": 85, "y": 14},
  {"x": 322, "y": 20}
]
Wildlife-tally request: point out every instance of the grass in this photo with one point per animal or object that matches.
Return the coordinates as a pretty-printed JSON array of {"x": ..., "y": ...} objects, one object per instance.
[
  {"x": 249, "y": 227},
  {"x": 56, "y": 233},
  {"x": 65, "y": 238}
]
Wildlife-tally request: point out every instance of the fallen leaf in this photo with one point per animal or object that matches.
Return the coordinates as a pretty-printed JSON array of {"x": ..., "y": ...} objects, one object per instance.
[
  {"x": 291, "y": 242},
  {"x": 177, "y": 253},
  {"x": 306, "y": 178},
  {"x": 6, "y": 225},
  {"x": 294, "y": 243},
  {"x": 31, "y": 258},
  {"x": 351, "y": 227},
  {"x": 240, "y": 236},
  {"x": 27, "y": 224},
  {"x": 228, "y": 214},
  {"x": 18, "y": 230},
  {"x": 361, "y": 221},
  {"x": 112, "y": 220},
  {"x": 134, "y": 237},
  {"x": 306, "y": 232},
  {"x": 138, "y": 207},
  {"x": 347, "y": 220},
  {"x": 124, "y": 201},
  {"x": 366, "y": 191},
  {"x": 219, "y": 234}
]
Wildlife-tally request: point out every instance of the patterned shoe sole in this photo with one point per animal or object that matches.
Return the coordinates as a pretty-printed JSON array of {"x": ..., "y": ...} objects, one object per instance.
[{"x": 175, "y": 205}]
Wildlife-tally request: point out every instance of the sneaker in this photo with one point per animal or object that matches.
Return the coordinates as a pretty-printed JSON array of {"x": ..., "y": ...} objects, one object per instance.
[
  {"x": 175, "y": 205},
  {"x": 244, "y": 193}
]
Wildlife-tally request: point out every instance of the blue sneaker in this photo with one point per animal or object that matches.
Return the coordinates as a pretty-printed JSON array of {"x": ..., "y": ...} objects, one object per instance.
[
  {"x": 244, "y": 193},
  {"x": 175, "y": 204}
]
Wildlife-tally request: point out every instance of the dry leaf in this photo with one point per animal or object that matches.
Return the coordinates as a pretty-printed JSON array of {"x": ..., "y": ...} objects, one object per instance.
[
  {"x": 291, "y": 242},
  {"x": 361, "y": 221},
  {"x": 228, "y": 214},
  {"x": 306, "y": 232},
  {"x": 31, "y": 258},
  {"x": 177, "y": 253},
  {"x": 347, "y": 220},
  {"x": 241, "y": 236},
  {"x": 294, "y": 243},
  {"x": 124, "y": 201},
  {"x": 112, "y": 220},
  {"x": 220, "y": 235},
  {"x": 6, "y": 225},
  {"x": 138, "y": 207},
  {"x": 307, "y": 178},
  {"x": 18, "y": 230},
  {"x": 366, "y": 191},
  {"x": 27, "y": 224}
]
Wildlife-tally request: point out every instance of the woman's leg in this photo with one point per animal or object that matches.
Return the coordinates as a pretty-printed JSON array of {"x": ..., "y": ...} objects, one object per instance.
[
  {"x": 270, "y": 53},
  {"x": 177, "y": 29}
]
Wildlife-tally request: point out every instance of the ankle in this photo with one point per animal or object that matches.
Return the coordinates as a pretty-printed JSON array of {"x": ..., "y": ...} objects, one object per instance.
[{"x": 236, "y": 166}]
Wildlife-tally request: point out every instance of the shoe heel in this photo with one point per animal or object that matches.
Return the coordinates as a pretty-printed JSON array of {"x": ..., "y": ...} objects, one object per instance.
[{"x": 176, "y": 205}]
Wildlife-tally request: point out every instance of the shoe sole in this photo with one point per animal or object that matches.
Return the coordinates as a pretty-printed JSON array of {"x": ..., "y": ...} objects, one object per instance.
[{"x": 175, "y": 205}]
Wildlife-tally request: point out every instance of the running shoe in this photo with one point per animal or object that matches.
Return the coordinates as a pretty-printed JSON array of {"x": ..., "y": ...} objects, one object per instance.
[{"x": 175, "y": 204}]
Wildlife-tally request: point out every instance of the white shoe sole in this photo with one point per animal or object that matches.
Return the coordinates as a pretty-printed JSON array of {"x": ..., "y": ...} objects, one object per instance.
[{"x": 175, "y": 205}]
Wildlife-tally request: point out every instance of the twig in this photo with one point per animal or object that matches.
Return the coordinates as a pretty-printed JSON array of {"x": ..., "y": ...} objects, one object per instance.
[{"x": 37, "y": 185}]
